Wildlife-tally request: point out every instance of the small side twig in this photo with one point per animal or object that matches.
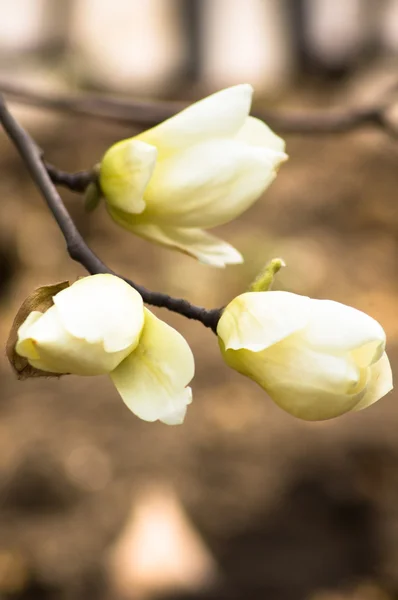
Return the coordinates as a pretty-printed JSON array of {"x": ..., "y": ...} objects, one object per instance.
[
  {"x": 76, "y": 182},
  {"x": 76, "y": 246}
]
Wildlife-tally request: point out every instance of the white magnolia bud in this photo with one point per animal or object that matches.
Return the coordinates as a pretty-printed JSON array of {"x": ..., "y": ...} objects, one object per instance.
[
  {"x": 91, "y": 327},
  {"x": 201, "y": 168},
  {"x": 317, "y": 359},
  {"x": 99, "y": 325}
]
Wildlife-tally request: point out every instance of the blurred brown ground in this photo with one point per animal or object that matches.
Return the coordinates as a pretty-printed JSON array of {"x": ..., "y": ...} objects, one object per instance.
[{"x": 289, "y": 510}]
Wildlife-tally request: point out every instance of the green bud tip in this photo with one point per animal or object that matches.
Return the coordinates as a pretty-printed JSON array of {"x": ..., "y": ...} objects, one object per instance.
[{"x": 265, "y": 278}]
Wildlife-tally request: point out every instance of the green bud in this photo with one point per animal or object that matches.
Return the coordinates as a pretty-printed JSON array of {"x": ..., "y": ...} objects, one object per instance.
[{"x": 265, "y": 278}]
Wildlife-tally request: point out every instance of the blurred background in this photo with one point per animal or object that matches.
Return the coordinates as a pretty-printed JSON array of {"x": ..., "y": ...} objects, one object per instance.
[{"x": 242, "y": 502}]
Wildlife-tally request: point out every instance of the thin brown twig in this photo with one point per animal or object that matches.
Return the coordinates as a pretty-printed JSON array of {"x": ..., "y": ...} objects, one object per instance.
[
  {"x": 75, "y": 182},
  {"x": 148, "y": 113},
  {"x": 132, "y": 112},
  {"x": 76, "y": 246}
]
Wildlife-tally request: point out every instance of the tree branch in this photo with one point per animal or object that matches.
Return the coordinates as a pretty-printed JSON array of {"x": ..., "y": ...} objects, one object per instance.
[
  {"x": 76, "y": 246},
  {"x": 133, "y": 112},
  {"x": 147, "y": 113}
]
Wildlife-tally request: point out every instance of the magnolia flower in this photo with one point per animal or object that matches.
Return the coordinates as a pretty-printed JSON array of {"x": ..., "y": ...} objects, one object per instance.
[
  {"x": 317, "y": 359},
  {"x": 201, "y": 168},
  {"x": 99, "y": 325}
]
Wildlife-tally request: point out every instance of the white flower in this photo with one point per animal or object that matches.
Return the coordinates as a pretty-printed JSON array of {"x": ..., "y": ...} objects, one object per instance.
[
  {"x": 99, "y": 325},
  {"x": 317, "y": 359},
  {"x": 201, "y": 168}
]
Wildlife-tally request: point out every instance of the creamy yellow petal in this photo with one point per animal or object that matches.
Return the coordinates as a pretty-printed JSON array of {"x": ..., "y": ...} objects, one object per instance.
[
  {"x": 290, "y": 363},
  {"x": 25, "y": 345},
  {"x": 335, "y": 327},
  {"x": 257, "y": 320},
  {"x": 152, "y": 380},
  {"x": 307, "y": 384},
  {"x": 312, "y": 404},
  {"x": 177, "y": 414},
  {"x": 257, "y": 133},
  {"x": 380, "y": 383},
  {"x": 125, "y": 171},
  {"x": 102, "y": 309},
  {"x": 57, "y": 351},
  {"x": 210, "y": 184},
  {"x": 206, "y": 248},
  {"x": 220, "y": 115}
]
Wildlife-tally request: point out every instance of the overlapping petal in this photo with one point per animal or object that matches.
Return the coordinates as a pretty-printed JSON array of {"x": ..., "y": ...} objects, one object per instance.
[
  {"x": 25, "y": 345},
  {"x": 125, "y": 172},
  {"x": 379, "y": 384},
  {"x": 220, "y": 115},
  {"x": 153, "y": 379},
  {"x": 312, "y": 404},
  {"x": 102, "y": 309},
  {"x": 306, "y": 383},
  {"x": 256, "y": 133},
  {"x": 257, "y": 320},
  {"x": 210, "y": 184},
  {"x": 340, "y": 328},
  {"x": 206, "y": 248},
  {"x": 48, "y": 346}
]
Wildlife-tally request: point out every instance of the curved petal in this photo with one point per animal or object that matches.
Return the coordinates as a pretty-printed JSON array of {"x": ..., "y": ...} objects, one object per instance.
[
  {"x": 152, "y": 380},
  {"x": 210, "y": 184},
  {"x": 257, "y": 320},
  {"x": 48, "y": 346},
  {"x": 220, "y": 115},
  {"x": 380, "y": 383},
  {"x": 25, "y": 346},
  {"x": 257, "y": 133},
  {"x": 102, "y": 309},
  {"x": 312, "y": 404},
  {"x": 176, "y": 414},
  {"x": 206, "y": 248},
  {"x": 335, "y": 327},
  {"x": 125, "y": 171},
  {"x": 306, "y": 384}
]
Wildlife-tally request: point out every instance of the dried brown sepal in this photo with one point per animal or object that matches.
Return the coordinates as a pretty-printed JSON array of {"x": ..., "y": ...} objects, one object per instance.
[{"x": 41, "y": 300}]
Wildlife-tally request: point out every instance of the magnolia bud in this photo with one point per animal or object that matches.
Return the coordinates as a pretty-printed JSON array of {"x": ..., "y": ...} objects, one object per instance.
[
  {"x": 97, "y": 326},
  {"x": 202, "y": 168},
  {"x": 317, "y": 359},
  {"x": 90, "y": 328}
]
